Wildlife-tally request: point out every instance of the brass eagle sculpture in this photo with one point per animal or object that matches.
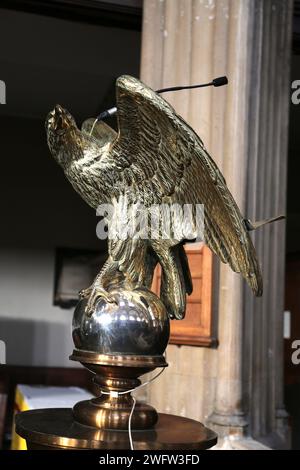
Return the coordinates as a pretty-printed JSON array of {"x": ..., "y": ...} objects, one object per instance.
[{"x": 155, "y": 158}]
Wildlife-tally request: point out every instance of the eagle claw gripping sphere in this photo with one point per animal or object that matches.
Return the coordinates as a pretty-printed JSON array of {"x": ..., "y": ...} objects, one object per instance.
[{"x": 136, "y": 323}]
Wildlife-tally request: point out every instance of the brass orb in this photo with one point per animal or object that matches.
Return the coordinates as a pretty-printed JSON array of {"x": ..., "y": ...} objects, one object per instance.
[{"x": 135, "y": 324}]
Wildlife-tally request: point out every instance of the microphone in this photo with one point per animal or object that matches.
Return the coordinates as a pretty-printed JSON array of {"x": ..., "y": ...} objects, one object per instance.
[
  {"x": 107, "y": 113},
  {"x": 220, "y": 81}
]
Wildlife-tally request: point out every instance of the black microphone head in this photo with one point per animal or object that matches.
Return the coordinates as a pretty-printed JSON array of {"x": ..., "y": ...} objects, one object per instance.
[{"x": 220, "y": 81}]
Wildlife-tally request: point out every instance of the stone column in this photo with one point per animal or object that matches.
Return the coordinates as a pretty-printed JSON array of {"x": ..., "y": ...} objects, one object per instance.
[
  {"x": 237, "y": 387},
  {"x": 266, "y": 195}
]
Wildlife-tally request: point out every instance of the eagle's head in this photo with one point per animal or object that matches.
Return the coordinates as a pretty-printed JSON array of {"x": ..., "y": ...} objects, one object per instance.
[{"x": 63, "y": 136}]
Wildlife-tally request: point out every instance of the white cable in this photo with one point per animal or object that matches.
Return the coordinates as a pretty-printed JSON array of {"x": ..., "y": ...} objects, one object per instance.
[
  {"x": 115, "y": 394},
  {"x": 129, "y": 424},
  {"x": 94, "y": 123},
  {"x": 143, "y": 384}
]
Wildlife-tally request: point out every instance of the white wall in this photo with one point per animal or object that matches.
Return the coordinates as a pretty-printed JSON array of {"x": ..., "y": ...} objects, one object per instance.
[{"x": 35, "y": 332}]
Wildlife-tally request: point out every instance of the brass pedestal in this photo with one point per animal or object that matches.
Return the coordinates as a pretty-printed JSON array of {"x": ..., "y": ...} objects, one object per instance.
[
  {"x": 113, "y": 374},
  {"x": 102, "y": 423},
  {"x": 56, "y": 429}
]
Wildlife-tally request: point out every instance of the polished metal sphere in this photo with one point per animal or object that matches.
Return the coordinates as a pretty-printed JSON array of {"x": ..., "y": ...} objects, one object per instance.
[{"x": 137, "y": 323}]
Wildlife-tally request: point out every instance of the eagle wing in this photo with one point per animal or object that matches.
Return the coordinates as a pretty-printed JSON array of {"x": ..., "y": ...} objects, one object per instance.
[{"x": 162, "y": 160}]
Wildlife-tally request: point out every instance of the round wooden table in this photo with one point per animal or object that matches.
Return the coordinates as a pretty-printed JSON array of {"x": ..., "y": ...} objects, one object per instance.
[{"x": 55, "y": 429}]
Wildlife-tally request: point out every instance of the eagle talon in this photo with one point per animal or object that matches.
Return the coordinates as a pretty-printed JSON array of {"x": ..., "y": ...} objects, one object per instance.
[
  {"x": 95, "y": 295},
  {"x": 85, "y": 293}
]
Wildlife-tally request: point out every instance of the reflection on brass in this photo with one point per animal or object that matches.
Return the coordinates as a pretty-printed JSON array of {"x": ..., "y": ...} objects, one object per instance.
[
  {"x": 116, "y": 374},
  {"x": 137, "y": 323},
  {"x": 55, "y": 429},
  {"x": 123, "y": 361},
  {"x": 155, "y": 158}
]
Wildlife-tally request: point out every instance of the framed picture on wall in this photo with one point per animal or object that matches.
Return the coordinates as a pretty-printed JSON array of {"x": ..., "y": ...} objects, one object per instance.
[{"x": 75, "y": 269}]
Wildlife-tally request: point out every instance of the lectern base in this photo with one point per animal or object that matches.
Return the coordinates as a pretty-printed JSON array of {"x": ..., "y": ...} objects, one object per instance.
[{"x": 56, "y": 429}]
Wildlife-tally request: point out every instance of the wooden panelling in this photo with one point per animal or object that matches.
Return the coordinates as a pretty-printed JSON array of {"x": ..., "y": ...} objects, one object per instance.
[{"x": 196, "y": 328}]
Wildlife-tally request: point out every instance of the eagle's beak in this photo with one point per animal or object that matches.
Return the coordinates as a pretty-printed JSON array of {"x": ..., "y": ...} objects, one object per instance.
[
  {"x": 58, "y": 119},
  {"x": 58, "y": 109}
]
